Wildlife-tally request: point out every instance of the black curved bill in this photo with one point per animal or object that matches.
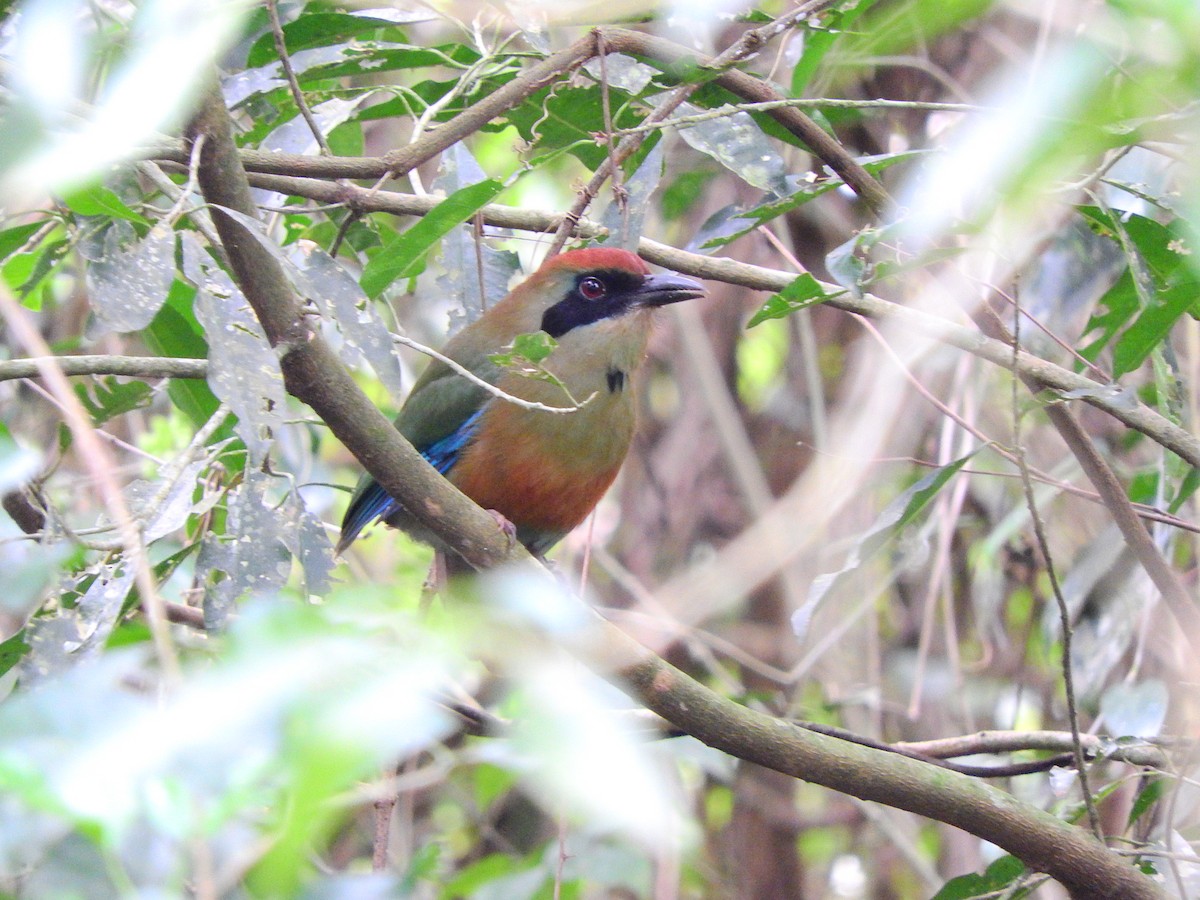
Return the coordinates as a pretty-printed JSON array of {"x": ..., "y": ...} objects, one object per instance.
[{"x": 659, "y": 290}]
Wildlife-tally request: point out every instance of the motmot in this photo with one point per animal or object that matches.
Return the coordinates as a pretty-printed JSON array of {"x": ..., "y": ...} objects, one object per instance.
[{"x": 543, "y": 472}]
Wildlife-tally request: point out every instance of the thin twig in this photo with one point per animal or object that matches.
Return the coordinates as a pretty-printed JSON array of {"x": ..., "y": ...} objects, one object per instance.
[
  {"x": 1121, "y": 404},
  {"x": 182, "y": 194},
  {"x": 731, "y": 109},
  {"x": 749, "y": 43},
  {"x": 169, "y": 472},
  {"x": 96, "y": 457},
  {"x": 289, "y": 73},
  {"x": 489, "y": 387},
  {"x": 620, "y": 195},
  {"x": 1064, "y": 611},
  {"x": 1148, "y": 753}
]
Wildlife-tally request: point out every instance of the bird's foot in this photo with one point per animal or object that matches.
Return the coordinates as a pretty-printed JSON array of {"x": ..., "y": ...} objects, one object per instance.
[
  {"x": 509, "y": 529},
  {"x": 435, "y": 579}
]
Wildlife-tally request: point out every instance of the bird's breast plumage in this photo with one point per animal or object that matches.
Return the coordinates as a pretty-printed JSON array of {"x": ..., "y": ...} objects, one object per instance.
[
  {"x": 543, "y": 471},
  {"x": 546, "y": 471}
]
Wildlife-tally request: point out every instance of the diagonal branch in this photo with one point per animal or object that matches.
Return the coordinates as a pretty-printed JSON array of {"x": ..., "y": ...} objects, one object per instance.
[
  {"x": 404, "y": 159},
  {"x": 470, "y": 120},
  {"x": 1120, "y": 404},
  {"x": 755, "y": 90},
  {"x": 312, "y": 371},
  {"x": 314, "y": 375}
]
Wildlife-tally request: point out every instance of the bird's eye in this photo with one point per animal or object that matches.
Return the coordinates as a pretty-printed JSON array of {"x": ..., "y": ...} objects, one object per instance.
[{"x": 592, "y": 288}]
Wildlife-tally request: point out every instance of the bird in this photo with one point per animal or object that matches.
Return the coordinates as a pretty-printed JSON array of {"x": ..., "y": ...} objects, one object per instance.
[{"x": 540, "y": 473}]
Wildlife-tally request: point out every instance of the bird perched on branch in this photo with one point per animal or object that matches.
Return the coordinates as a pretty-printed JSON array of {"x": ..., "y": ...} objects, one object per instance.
[{"x": 542, "y": 471}]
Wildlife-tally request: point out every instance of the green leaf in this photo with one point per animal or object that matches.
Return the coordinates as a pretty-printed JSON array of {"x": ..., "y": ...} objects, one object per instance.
[
  {"x": 896, "y": 28},
  {"x": 1153, "y": 324},
  {"x": 846, "y": 266},
  {"x": 434, "y": 90},
  {"x": 526, "y": 348},
  {"x": 734, "y": 142},
  {"x": 999, "y": 876},
  {"x": 1156, "y": 289},
  {"x": 819, "y": 40},
  {"x": 175, "y": 332},
  {"x": 731, "y": 224},
  {"x": 376, "y": 58},
  {"x": 491, "y": 783},
  {"x": 13, "y": 239},
  {"x": 322, "y": 30},
  {"x": 98, "y": 200},
  {"x": 404, "y": 256},
  {"x": 524, "y": 356},
  {"x": 1146, "y": 798},
  {"x": 479, "y": 874},
  {"x": 569, "y": 117},
  {"x": 12, "y": 650},
  {"x": 1187, "y": 487},
  {"x": 25, "y": 271},
  {"x": 895, "y": 516},
  {"x": 109, "y": 398},
  {"x": 802, "y": 293}
]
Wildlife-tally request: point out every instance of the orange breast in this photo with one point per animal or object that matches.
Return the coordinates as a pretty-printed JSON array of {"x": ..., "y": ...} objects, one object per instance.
[{"x": 537, "y": 469}]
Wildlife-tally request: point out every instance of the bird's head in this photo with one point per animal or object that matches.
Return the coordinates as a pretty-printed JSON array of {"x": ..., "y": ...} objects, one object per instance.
[{"x": 581, "y": 288}]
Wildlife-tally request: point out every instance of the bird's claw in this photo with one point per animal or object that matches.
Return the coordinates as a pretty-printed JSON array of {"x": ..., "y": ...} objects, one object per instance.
[{"x": 509, "y": 529}]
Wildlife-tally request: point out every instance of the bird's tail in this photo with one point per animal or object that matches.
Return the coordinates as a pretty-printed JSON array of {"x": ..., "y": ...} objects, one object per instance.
[{"x": 370, "y": 502}]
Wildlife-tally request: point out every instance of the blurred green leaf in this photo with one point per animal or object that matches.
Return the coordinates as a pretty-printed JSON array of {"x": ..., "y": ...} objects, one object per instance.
[
  {"x": 998, "y": 879},
  {"x": 97, "y": 200},
  {"x": 890, "y": 29},
  {"x": 1149, "y": 795},
  {"x": 404, "y": 256},
  {"x": 17, "y": 464},
  {"x": 104, "y": 397},
  {"x": 820, "y": 39},
  {"x": 321, "y": 29},
  {"x": 802, "y": 293},
  {"x": 895, "y": 516},
  {"x": 11, "y": 651},
  {"x": 12, "y": 239}
]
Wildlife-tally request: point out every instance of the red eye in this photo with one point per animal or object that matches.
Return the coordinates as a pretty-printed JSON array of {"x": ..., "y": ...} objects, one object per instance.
[{"x": 592, "y": 288}]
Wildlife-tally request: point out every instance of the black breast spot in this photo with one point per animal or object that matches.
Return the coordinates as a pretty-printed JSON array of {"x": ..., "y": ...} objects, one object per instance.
[{"x": 616, "y": 381}]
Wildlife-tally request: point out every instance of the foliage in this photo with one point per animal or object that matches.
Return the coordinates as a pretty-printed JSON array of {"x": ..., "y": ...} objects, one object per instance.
[{"x": 851, "y": 532}]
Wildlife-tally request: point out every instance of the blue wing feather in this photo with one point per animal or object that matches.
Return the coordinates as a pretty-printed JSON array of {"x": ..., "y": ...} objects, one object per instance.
[
  {"x": 443, "y": 454},
  {"x": 373, "y": 502}
]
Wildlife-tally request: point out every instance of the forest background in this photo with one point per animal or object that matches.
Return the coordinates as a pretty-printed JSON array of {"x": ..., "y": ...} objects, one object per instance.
[{"x": 915, "y": 483}]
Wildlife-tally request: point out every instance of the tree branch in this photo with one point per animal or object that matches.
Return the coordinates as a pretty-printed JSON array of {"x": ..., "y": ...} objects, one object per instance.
[
  {"x": 470, "y": 120},
  {"x": 133, "y": 366},
  {"x": 405, "y": 159},
  {"x": 311, "y": 370},
  {"x": 1120, "y": 404},
  {"x": 1070, "y": 855},
  {"x": 1102, "y": 477},
  {"x": 314, "y": 375},
  {"x": 1140, "y": 754},
  {"x": 748, "y": 87}
]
